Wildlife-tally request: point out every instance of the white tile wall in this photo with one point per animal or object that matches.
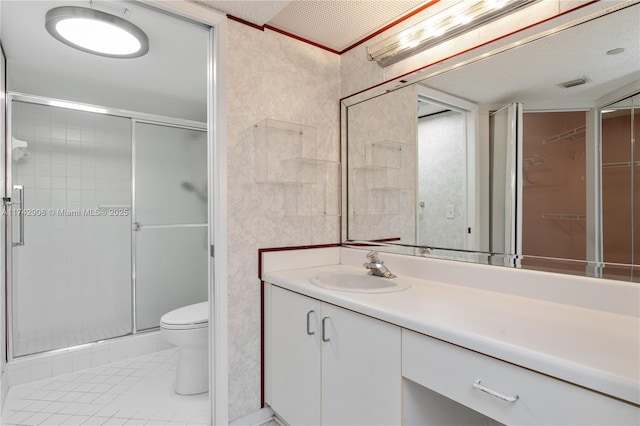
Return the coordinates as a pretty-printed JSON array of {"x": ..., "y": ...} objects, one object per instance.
[{"x": 72, "y": 278}]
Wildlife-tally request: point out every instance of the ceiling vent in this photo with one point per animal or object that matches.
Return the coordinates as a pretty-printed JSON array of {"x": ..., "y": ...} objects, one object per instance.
[{"x": 574, "y": 83}]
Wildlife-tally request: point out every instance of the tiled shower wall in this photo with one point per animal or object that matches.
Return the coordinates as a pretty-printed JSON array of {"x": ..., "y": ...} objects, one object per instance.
[
  {"x": 72, "y": 278},
  {"x": 269, "y": 76}
]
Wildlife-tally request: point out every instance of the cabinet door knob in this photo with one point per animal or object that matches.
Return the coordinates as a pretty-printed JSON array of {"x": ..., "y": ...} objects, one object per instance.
[
  {"x": 324, "y": 329},
  {"x": 491, "y": 392},
  {"x": 309, "y": 332}
]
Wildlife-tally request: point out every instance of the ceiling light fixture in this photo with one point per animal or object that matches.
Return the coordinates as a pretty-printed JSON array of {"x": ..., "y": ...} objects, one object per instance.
[
  {"x": 453, "y": 21},
  {"x": 96, "y": 32}
]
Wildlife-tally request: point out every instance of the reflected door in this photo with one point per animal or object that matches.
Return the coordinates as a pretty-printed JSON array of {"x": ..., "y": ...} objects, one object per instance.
[
  {"x": 621, "y": 182},
  {"x": 170, "y": 220},
  {"x": 442, "y": 176},
  {"x": 505, "y": 175}
]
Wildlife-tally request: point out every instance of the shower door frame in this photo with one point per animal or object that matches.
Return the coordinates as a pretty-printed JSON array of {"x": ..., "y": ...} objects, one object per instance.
[
  {"x": 135, "y": 225},
  {"x": 134, "y": 117}
]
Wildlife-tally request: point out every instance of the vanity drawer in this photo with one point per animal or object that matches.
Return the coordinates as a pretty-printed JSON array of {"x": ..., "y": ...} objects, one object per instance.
[{"x": 521, "y": 396}]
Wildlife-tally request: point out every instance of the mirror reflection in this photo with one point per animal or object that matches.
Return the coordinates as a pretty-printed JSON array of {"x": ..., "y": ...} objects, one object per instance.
[{"x": 502, "y": 155}]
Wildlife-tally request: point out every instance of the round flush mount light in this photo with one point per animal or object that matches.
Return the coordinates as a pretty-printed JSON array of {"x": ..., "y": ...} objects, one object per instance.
[{"x": 96, "y": 32}]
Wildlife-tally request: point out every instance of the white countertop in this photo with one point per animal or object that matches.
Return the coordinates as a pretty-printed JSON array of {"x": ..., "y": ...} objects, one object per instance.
[{"x": 595, "y": 349}]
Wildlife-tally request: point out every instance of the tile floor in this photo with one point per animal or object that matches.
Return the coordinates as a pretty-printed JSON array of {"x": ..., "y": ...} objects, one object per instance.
[{"x": 136, "y": 391}]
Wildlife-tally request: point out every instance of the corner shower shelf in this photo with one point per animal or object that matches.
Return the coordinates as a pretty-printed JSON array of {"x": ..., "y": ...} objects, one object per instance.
[
  {"x": 282, "y": 152},
  {"x": 286, "y": 154},
  {"x": 320, "y": 198}
]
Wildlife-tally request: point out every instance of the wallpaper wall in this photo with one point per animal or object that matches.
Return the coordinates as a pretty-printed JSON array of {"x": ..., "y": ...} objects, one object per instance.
[
  {"x": 442, "y": 180},
  {"x": 276, "y": 77},
  {"x": 381, "y": 147}
]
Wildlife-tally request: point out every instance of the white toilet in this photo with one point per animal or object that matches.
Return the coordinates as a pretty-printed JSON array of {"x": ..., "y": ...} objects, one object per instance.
[{"x": 188, "y": 329}]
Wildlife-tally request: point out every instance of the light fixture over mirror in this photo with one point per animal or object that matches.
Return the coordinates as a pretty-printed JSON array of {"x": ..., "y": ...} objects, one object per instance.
[
  {"x": 453, "y": 21},
  {"x": 96, "y": 32}
]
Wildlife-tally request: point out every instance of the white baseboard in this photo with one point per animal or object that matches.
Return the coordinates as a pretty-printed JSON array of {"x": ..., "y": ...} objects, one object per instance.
[{"x": 258, "y": 418}]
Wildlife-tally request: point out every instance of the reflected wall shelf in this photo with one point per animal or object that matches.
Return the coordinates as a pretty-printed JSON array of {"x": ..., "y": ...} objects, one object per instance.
[
  {"x": 573, "y": 135},
  {"x": 568, "y": 143},
  {"x": 527, "y": 162},
  {"x": 286, "y": 154},
  {"x": 532, "y": 161},
  {"x": 620, "y": 164},
  {"x": 380, "y": 186},
  {"x": 566, "y": 222}
]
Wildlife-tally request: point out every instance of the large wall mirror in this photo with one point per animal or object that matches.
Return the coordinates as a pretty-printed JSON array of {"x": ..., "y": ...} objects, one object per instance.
[{"x": 523, "y": 158}]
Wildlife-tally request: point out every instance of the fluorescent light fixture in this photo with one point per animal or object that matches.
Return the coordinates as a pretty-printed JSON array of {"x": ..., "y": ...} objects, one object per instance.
[
  {"x": 453, "y": 21},
  {"x": 96, "y": 32}
]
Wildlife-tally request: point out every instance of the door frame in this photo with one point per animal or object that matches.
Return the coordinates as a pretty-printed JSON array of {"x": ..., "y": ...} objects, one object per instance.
[
  {"x": 217, "y": 178},
  {"x": 471, "y": 112},
  {"x": 217, "y": 159}
]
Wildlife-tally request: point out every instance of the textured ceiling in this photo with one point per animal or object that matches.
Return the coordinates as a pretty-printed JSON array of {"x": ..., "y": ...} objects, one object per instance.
[
  {"x": 334, "y": 24},
  {"x": 257, "y": 12},
  {"x": 337, "y": 24}
]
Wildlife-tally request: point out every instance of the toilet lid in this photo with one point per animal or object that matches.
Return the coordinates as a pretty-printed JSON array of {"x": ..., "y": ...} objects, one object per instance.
[{"x": 192, "y": 314}]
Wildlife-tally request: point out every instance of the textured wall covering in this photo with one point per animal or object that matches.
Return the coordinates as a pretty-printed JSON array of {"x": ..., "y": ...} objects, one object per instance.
[
  {"x": 442, "y": 175},
  {"x": 381, "y": 137},
  {"x": 270, "y": 76}
]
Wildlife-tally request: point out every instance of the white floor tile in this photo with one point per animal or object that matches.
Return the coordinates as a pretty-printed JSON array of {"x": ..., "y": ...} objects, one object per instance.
[
  {"x": 130, "y": 392},
  {"x": 75, "y": 420},
  {"x": 36, "y": 419},
  {"x": 57, "y": 419}
]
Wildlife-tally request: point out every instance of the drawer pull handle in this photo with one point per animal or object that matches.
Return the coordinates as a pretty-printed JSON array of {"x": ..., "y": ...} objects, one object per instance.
[
  {"x": 324, "y": 329},
  {"x": 309, "y": 332},
  {"x": 491, "y": 392}
]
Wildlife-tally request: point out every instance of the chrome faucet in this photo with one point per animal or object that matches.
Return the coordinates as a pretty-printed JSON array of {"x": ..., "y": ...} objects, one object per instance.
[{"x": 376, "y": 266}]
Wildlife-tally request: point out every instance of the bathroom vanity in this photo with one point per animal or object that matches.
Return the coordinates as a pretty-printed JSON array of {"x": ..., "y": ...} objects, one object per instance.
[{"x": 464, "y": 344}]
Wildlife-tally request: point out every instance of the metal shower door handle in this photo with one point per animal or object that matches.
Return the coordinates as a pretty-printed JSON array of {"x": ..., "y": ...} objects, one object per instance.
[{"x": 20, "y": 189}]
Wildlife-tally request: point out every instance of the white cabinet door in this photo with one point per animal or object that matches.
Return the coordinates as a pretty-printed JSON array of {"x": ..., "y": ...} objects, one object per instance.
[
  {"x": 361, "y": 370},
  {"x": 294, "y": 358}
]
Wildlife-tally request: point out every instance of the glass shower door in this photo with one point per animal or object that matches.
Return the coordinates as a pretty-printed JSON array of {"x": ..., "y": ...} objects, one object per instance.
[
  {"x": 170, "y": 220},
  {"x": 70, "y": 259}
]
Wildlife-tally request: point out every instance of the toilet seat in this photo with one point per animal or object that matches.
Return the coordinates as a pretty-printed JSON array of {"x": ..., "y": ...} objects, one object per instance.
[{"x": 187, "y": 318}]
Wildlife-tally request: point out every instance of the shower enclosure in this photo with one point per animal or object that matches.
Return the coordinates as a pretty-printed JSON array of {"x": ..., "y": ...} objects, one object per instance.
[{"x": 107, "y": 222}]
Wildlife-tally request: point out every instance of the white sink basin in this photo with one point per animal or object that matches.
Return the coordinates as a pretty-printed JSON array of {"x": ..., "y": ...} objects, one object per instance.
[{"x": 359, "y": 283}]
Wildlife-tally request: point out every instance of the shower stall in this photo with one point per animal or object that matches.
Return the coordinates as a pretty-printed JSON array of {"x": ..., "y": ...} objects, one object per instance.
[{"x": 106, "y": 222}]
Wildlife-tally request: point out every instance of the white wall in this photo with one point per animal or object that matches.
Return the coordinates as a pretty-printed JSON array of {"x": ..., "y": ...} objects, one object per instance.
[{"x": 269, "y": 76}]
